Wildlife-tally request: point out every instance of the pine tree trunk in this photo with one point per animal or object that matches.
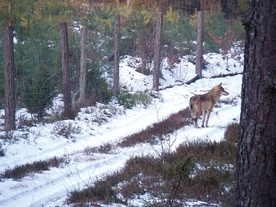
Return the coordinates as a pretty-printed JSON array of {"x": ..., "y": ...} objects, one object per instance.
[
  {"x": 157, "y": 53},
  {"x": 9, "y": 79},
  {"x": 256, "y": 173},
  {"x": 66, "y": 85}
]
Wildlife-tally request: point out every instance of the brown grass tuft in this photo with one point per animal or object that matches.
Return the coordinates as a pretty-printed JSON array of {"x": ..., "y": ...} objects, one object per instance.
[
  {"x": 157, "y": 130},
  {"x": 232, "y": 133}
]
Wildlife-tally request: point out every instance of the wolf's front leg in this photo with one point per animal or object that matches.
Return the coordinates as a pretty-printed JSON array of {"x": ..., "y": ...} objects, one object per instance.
[
  {"x": 196, "y": 124},
  {"x": 208, "y": 115}
]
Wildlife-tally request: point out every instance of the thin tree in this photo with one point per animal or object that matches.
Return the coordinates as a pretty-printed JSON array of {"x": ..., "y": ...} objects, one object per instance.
[
  {"x": 66, "y": 85},
  {"x": 157, "y": 53},
  {"x": 256, "y": 166},
  {"x": 199, "y": 45},
  {"x": 83, "y": 64},
  {"x": 116, "y": 89},
  {"x": 9, "y": 79}
]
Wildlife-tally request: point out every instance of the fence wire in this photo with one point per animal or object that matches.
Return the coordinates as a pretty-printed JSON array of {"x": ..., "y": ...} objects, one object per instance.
[{"x": 38, "y": 52}]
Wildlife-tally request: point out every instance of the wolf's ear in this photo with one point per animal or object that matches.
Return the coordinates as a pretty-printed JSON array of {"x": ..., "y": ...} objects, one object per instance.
[{"x": 220, "y": 84}]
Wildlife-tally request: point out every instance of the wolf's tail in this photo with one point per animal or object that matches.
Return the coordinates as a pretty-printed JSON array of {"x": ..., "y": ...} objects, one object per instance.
[{"x": 192, "y": 108}]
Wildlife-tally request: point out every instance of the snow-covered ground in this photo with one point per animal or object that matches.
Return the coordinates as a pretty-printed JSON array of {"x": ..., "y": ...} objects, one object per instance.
[{"x": 103, "y": 124}]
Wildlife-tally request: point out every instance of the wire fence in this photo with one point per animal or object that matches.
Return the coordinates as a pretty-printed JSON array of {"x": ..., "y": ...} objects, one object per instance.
[{"x": 37, "y": 51}]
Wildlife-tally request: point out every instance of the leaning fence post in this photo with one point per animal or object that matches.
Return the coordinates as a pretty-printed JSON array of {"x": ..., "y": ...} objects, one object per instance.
[
  {"x": 116, "y": 89},
  {"x": 66, "y": 85},
  {"x": 82, "y": 80}
]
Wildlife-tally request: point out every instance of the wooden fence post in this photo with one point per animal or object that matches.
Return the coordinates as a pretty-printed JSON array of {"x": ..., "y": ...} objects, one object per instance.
[
  {"x": 82, "y": 80},
  {"x": 66, "y": 85},
  {"x": 116, "y": 89},
  {"x": 157, "y": 53},
  {"x": 9, "y": 79},
  {"x": 199, "y": 45}
]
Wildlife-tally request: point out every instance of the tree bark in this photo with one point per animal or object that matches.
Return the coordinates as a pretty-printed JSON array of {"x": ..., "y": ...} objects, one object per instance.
[
  {"x": 9, "y": 79},
  {"x": 157, "y": 53},
  {"x": 66, "y": 85},
  {"x": 83, "y": 64},
  {"x": 199, "y": 44},
  {"x": 116, "y": 89},
  {"x": 256, "y": 163}
]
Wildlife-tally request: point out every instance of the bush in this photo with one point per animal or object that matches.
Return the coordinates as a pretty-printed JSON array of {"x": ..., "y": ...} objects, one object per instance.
[
  {"x": 65, "y": 129},
  {"x": 200, "y": 170},
  {"x": 129, "y": 100},
  {"x": 97, "y": 89},
  {"x": 38, "y": 92},
  {"x": 232, "y": 133},
  {"x": 20, "y": 171},
  {"x": 216, "y": 27},
  {"x": 104, "y": 149},
  {"x": 2, "y": 151}
]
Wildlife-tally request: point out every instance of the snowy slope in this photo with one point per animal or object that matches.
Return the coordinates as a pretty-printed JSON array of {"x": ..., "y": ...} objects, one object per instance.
[{"x": 50, "y": 188}]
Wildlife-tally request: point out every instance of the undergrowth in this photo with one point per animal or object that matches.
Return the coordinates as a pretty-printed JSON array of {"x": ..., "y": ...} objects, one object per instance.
[
  {"x": 20, "y": 171},
  {"x": 157, "y": 130},
  {"x": 199, "y": 170},
  {"x": 129, "y": 100}
]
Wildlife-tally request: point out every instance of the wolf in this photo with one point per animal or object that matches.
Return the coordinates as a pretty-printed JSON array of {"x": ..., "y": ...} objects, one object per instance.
[{"x": 204, "y": 104}]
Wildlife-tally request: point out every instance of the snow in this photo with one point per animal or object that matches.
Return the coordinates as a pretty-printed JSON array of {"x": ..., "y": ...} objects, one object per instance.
[{"x": 108, "y": 124}]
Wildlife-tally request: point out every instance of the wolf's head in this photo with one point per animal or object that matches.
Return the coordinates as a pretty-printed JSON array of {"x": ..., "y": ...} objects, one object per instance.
[{"x": 221, "y": 90}]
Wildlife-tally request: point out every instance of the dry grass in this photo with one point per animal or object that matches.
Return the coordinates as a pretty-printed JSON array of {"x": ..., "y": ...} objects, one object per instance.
[
  {"x": 21, "y": 171},
  {"x": 232, "y": 132},
  {"x": 199, "y": 170},
  {"x": 157, "y": 130}
]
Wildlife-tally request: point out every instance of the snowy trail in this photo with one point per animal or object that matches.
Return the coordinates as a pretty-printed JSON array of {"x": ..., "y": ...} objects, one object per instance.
[
  {"x": 78, "y": 175},
  {"x": 76, "y": 178},
  {"x": 51, "y": 187},
  {"x": 114, "y": 133}
]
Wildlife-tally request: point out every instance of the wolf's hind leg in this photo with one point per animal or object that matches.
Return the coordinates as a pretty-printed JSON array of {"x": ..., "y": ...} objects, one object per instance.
[{"x": 203, "y": 117}]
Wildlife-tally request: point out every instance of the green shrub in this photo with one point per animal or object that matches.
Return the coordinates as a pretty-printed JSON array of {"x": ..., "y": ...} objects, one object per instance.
[
  {"x": 129, "y": 100},
  {"x": 97, "y": 89},
  {"x": 38, "y": 92},
  {"x": 227, "y": 31}
]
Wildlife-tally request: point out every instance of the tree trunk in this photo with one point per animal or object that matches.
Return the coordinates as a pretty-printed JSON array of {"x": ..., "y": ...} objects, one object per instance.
[
  {"x": 83, "y": 65},
  {"x": 66, "y": 85},
  {"x": 116, "y": 89},
  {"x": 256, "y": 167},
  {"x": 199, "y": 45},
  {"x": 157, "y": 53},
  {"x": 9, "y": 79}
]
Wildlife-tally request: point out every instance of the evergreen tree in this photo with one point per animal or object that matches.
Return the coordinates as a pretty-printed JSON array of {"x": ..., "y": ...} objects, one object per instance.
[{"x": 38, "y": 91}]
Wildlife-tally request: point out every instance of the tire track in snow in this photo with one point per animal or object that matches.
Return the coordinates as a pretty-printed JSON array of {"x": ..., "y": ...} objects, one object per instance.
[
  {"x": 144, "y": 120},
  {"x": 78, "y": 177},
  {"x": 59, "y": 187},
  {"x": 41, "y": 194}
]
